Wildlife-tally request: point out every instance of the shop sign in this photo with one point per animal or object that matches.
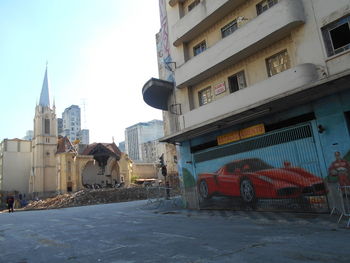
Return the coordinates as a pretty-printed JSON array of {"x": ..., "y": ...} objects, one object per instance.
[
  {"x": 219, "y": 88},
  {"x": 252, "y": 131},
  {"x": 241, "y": 134},
  {"x": 228, "y": 137}
]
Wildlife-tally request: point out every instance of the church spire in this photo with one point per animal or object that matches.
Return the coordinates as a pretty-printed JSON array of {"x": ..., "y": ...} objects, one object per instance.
[{"x": 44, "y": 95}]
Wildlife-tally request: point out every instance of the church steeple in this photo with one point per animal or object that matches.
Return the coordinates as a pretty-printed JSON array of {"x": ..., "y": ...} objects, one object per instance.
[
  {"x": 44, "y": 95},
  {"x": 44, "y": 144}
]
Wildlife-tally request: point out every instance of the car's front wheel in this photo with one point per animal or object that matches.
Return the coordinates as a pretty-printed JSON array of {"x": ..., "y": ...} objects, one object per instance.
[
  {"x": 203, "y": 190},
  {"x": 247, "y": 191}
]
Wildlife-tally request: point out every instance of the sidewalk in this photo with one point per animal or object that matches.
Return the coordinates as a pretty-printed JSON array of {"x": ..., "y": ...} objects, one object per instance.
[{"x": 174, "y": 207}]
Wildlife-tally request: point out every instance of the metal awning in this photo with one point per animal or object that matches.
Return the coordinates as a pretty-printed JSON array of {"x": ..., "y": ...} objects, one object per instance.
[{"x": 156, "y": 93}]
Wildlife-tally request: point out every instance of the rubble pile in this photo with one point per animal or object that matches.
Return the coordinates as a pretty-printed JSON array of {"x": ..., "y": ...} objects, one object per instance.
[{"x": 97, "y": 196}]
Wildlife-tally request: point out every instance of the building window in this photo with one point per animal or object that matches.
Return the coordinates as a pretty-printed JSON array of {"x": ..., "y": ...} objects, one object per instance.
[
  {"x": 199, "y": 48},
  {"x": 237, "y": 82},
  {"x": 69, "y": 167},
  {"x": 193, "y": 4},
  {"x": 47, "y": 126},
  {"x": 347, "y": 119},
  {"x": 277, "y": 63},
  {"x": 264, "y": 5},
  {"x": 337, "y": 36},
  {"x": 205, "y": 96},
  {"x": 229, "y": 28}
]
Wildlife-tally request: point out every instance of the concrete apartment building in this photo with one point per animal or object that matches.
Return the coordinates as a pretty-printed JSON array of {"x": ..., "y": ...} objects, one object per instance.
[
  {"x": 152, "y": 150},
  {"x": 15, "y": 165},
  {"x": 140, "y": 133},
  {"x": 84, "y": 136},
  {"x": 252, "y": 83},
  {"x": 121, "y": 146},
  {"x": 70, "y": 125}
]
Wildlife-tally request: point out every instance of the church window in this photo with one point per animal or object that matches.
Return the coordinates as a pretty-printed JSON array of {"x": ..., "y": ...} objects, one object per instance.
[
  {"x": 69, "y": 167},
  {"x": 47, "y": 126}
]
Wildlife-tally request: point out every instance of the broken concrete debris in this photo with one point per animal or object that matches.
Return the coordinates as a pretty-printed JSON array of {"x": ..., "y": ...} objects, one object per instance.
[{"x": 96, "y": 196}]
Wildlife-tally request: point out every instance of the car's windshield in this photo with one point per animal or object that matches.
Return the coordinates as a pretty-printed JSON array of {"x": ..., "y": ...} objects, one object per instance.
[{"x": 247, "y": 165}]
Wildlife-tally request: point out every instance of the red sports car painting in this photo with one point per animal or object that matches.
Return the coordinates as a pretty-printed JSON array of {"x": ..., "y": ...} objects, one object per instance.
[{"x": 252, "y": 179}]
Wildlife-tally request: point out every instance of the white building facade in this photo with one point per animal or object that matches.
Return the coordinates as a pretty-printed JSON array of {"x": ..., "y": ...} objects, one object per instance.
[
  {"x": 84, "y": 136},
  {"x": 71, "y": 125},
  {"x": 71, "y": 122},
  {"x": 255, "y": 82},
  {"x": 140, "y": 133}
]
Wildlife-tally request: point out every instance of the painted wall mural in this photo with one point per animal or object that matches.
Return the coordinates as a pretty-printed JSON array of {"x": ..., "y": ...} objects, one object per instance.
[
  {"x": 272, "y": 171},
  {"x": 339, "y": 171},
  {"x": 163, "y": 48},
  {"x": 253, "y": 179},
  {"x": 188, "y": 179}
]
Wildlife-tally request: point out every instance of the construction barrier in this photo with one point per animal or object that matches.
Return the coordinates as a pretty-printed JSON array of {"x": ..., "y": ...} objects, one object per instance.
[{"x": 344, "y": 192}]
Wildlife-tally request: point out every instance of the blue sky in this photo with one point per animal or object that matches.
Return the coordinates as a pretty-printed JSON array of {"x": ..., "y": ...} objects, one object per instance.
[{"x": 100, "y": 52}]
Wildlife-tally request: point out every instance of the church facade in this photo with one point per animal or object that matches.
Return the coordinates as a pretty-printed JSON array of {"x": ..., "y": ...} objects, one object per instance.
[
  {"x": 60, "y": 166},
  {"x": 44, "y": 144}
]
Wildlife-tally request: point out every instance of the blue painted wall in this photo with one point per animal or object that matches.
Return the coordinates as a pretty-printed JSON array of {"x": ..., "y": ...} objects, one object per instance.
[{"x": 329, "y": 112}]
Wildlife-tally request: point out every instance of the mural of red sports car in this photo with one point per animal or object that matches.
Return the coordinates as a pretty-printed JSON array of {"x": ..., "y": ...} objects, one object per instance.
[{"x": 252, "y": 179}]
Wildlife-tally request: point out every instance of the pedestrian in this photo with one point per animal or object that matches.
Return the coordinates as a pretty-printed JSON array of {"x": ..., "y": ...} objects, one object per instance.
[{"x": 10, "y": 200}]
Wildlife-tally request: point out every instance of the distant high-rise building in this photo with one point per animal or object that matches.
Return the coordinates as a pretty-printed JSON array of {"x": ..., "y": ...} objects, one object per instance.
[
  {"x": 139, "y": 133},
  {"x": 84, "y": 136},
  {"x": 71, "y": 122},
  {"x": 29, "y": 135},
  {"x": 59, "y": 126},
  {"x": 71, "y": 125},
  {"x": 121, "y": 146}
]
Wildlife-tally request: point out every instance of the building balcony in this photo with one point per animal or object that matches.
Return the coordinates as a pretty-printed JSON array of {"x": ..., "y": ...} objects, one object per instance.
[
  {"x": 156, "y": 92},
  {"x": 264, "y": 30},
  {"x": 174, "y": 2},
  {"x": 201, "y": 18},
  {"x": 276, "y": 87}
]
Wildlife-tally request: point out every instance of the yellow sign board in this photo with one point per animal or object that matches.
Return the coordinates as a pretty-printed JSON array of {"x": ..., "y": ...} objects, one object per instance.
[
  {"x": 228, "y": 137},
  {"x": 241, "y": 134},
  {"x": 252, "y": 131}
]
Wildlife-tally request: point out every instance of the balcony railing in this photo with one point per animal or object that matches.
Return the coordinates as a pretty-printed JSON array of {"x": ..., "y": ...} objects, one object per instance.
[
  {"x": 264, "y": 30},
  {"x": 256, "y": 95},
  {"x": 201, "y": 18}
]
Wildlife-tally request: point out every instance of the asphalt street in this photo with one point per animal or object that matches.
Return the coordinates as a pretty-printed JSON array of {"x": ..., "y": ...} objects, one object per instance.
[{"x": 141, "y": 232}]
